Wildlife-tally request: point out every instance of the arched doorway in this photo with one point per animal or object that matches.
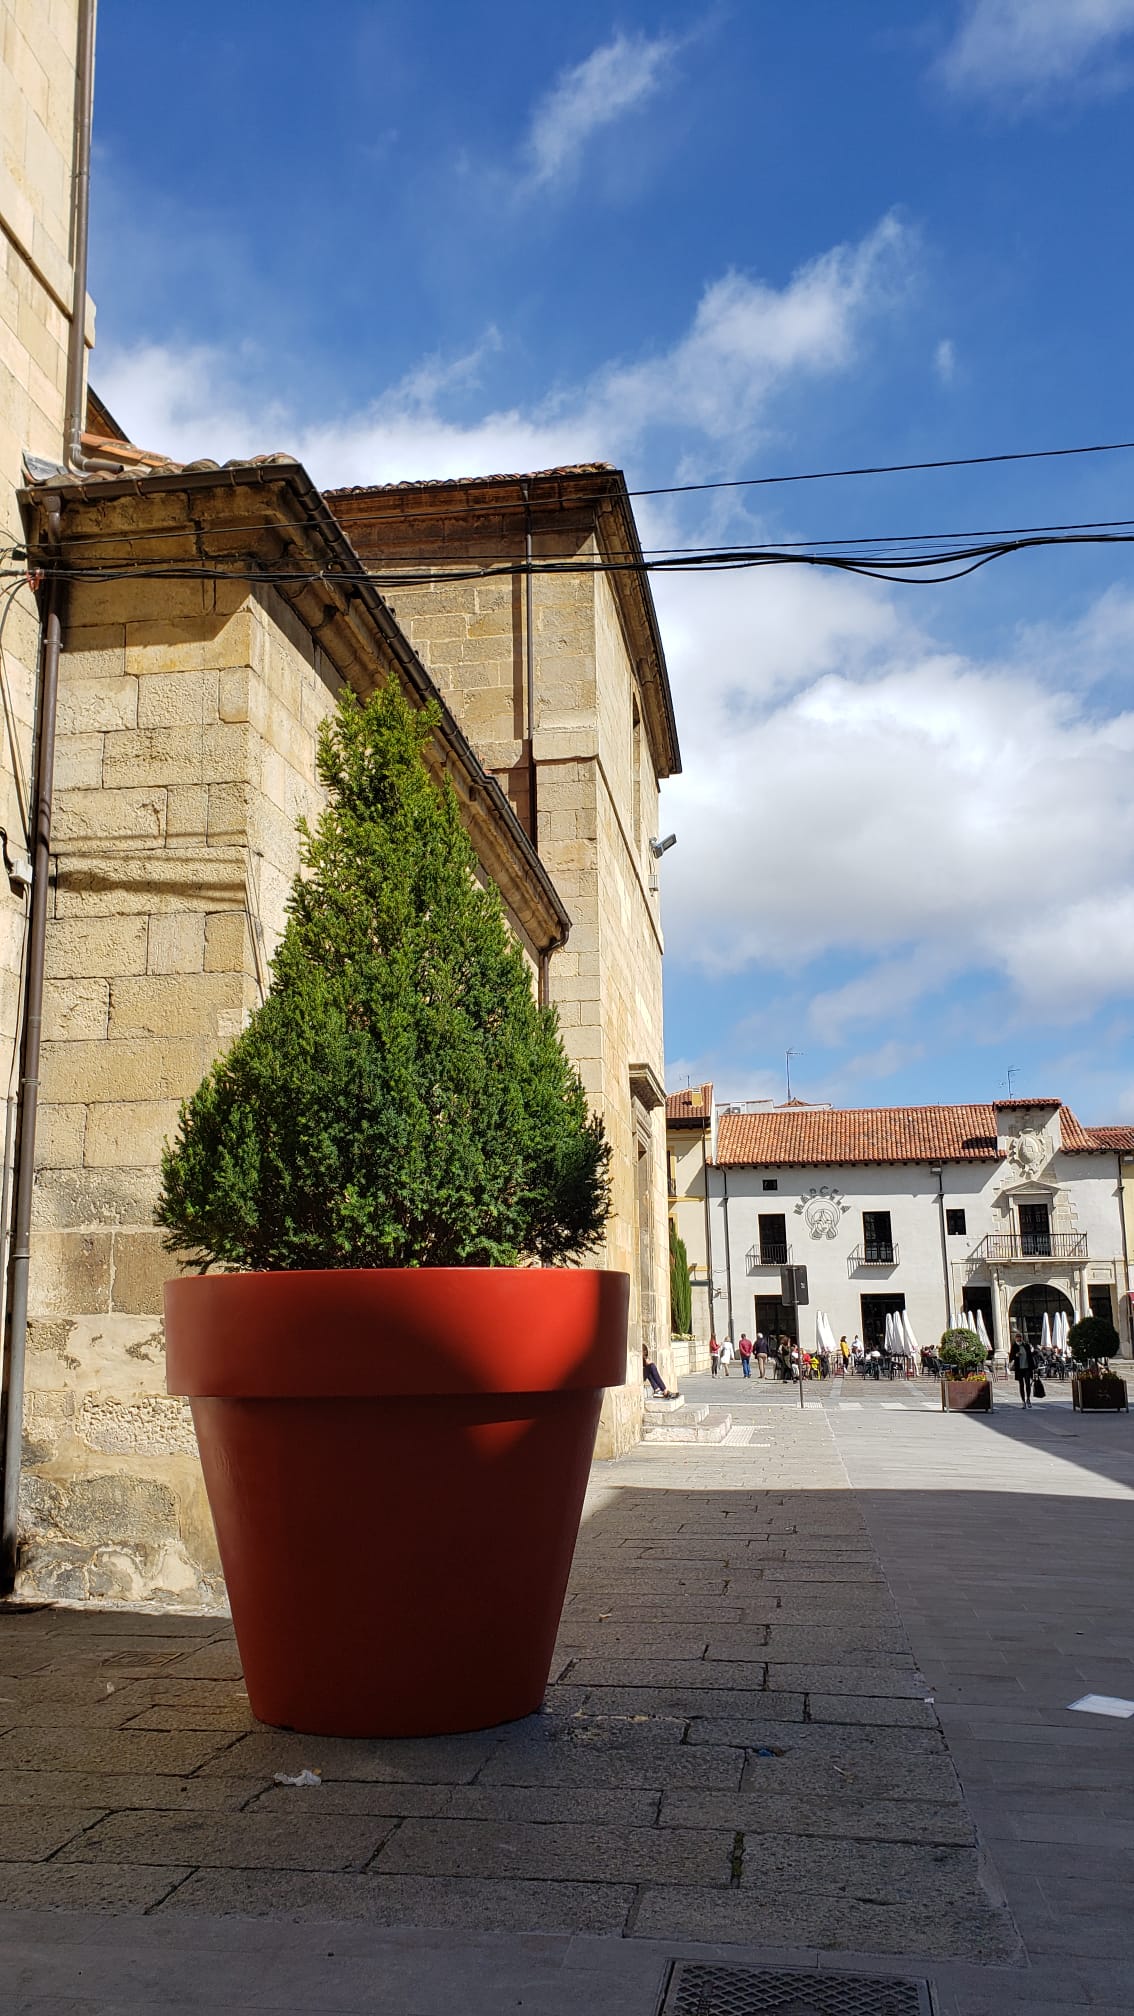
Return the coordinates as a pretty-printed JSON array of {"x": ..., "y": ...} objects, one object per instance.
[{"x": 1028, "y": 1309}]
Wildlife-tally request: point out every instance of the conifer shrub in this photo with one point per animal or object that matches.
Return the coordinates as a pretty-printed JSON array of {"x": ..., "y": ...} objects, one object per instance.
[
  {"x": 398, "y": 1099},
  {"x": 1093, "y": 1342},
  {"x": 680, "y": 1287},
  {"x": 962, "y": 1353}
]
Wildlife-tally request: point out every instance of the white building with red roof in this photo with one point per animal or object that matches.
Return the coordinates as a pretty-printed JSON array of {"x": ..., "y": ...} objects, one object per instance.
[{"x": 1011, "y": 1210}]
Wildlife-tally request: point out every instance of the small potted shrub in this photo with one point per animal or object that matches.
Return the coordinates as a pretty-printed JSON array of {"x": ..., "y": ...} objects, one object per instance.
[
  {"x": 395, "y": 1380},
  {"x": 966, "y": 1383},
  {"x": 1094, "y": 1342}
]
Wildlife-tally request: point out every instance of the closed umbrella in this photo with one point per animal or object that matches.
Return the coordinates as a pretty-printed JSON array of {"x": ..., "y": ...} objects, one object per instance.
[
  {"x": 1045, "y": 1333},
  {"x": 912, "y": 1346},
  {"x": 982, "y": 1331},
  {"x": 829, "y": 1337}
]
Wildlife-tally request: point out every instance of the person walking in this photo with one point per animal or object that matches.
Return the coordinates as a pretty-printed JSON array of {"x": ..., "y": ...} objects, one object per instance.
[
  {"x": 1022, "y": 1360},
  {"x": 726, "y": 1354},
  {"x": 745, "y": 1349},
  {"x": 714, "y": 1357},
  {"x": 760, "y": 1351}
]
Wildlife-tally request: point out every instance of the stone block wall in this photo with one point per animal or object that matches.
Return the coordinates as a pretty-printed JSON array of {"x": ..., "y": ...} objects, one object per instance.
[
  {"x": 187, "y": 730},
  {"x": 38, "y": 42}
]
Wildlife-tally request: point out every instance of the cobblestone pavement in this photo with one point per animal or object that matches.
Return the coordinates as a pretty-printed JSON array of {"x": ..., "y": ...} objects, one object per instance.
[{"x": 737, "y": 1751}]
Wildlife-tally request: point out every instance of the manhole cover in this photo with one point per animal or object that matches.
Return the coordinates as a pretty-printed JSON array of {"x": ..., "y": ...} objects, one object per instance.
[{"x": 695, "y": 1990}]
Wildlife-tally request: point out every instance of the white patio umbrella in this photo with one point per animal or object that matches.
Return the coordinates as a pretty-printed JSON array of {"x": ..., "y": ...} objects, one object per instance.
[
  {"x": 888, "y": 1334},
  {"x": 981, "y": 1330},
  {"x": 829, "y": 1337},
  {"x": 1045, "y": 1333},
  {"x": 913, "y": 1349}
]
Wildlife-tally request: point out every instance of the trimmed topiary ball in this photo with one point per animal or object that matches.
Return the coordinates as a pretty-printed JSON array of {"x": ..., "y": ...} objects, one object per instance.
[
  {"x": 398, "y": 1100},
  {"x": 962, "y": 1352},
  {"x": 1093, "y": 1341}
]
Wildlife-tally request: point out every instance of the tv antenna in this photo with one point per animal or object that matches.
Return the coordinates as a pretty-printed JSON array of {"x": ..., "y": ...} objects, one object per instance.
[{"x": 788, "y": 1055}]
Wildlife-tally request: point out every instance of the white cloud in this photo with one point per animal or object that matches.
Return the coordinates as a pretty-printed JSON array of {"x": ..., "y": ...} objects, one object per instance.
[
  {"x": 945, "y": 360},
  {"x": 611, "y": 81},
  {"x": 1034, "y": 45},
  {"x": 932, "y": 813},
  {"x": 747, "y": 340}
]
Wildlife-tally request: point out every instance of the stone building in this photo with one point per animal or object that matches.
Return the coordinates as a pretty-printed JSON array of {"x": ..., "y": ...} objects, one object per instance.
[
  {"x": 38, "y": 58},
  {"x": 688, "y": 1153},
  {"x": 229, "y": 609},
  {"x": 941, "y": 1211},
  {"x": 559, "y": 680}
]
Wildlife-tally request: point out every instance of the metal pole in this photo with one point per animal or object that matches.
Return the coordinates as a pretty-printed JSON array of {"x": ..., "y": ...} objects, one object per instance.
[
  {"x": 75, "y": 408},
  {"x": 16, "y": 1325},
  {"x": 529, "y": 669},
  {"x": 708, "y": 1218},
  {"x": 727, "y": 1252}
]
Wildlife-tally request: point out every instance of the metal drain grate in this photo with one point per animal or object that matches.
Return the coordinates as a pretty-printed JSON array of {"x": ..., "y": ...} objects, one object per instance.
[{"x": 695, "y": 1990}]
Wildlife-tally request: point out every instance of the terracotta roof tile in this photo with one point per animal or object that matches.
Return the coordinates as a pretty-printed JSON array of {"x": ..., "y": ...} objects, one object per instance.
[
  {"x": 1118, "y": 1139},
  {"x": 692, "y": 1108},
  {"x": 875, "y": 1134},
  {"x": 474, "y": 482}
]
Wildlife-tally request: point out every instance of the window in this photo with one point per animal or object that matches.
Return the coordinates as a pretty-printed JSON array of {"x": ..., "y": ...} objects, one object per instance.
[
  {"x": 1101, "y": 1305},
  {"x": 771, "y": 1182},
  {"x": 671, "y": 1171},
  {"x": 877, "y": 1237},
  {"x": 773, "y": 1239},
  {"x": 955, "y": 1222},
  {"x": 1035, "y": 1230}
]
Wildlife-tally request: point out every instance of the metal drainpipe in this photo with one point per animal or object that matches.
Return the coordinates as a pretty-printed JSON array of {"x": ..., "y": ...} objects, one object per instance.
[
  {"x": 16, "y": 1323},
  {"x": 727, "y": 1252},
  {"x": 75, "y": 409},
  {"x": 19, "y": 1251},
  {"x": 1126, "y": 1302},
  {"x": 529, "y": 670},
  {"x": 940, "y": 1175},
  {"x": 708, "y": 1219}
]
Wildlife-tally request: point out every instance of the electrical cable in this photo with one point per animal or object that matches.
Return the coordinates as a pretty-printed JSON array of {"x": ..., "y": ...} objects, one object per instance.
[
  {"x": 447, "y": 488},
  {"x": 893, "y": 567}
]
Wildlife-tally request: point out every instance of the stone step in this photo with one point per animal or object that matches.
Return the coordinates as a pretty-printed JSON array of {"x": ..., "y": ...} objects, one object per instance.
[
  {"x": 709, "y": 1428},
  {"x": 658, "y": 1412},
  {"x": 657, "y": 1408}
]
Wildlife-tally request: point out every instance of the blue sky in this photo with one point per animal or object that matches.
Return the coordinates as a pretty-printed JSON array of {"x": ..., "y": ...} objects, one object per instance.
[{"x": 708, "y": 243}]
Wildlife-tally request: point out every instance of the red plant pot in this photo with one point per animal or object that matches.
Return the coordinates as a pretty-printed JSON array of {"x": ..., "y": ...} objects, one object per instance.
[{"x": 395, "y": 1461}]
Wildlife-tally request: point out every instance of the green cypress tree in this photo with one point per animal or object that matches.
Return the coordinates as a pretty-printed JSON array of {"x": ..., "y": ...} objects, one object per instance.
[
  {"x": 680, "y": 1288},
  {"x": 398, "y": 1100}
]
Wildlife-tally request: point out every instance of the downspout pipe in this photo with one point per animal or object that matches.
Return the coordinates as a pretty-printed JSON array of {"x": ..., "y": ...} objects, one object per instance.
[
  {"x": 708, "y": 1218},
  {"x": 937, "y": 1170},
  {"x": 529, "y": 669},
  {"x": 727, "y": 1253},
  {"x": 75, "y": 408},
  {"x": 19, "y": 1249}
]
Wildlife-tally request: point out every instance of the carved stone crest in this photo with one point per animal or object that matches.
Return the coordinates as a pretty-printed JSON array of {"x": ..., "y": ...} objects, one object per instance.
[
  {"x": 1029, "y": 1151},
  {"x": 822, "y": 1210}
]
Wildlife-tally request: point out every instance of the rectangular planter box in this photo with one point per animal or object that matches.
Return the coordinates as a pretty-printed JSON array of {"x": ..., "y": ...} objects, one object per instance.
[
  {"x": 1100, "y": 1395},
  {"x": 966, "y": 1396}
]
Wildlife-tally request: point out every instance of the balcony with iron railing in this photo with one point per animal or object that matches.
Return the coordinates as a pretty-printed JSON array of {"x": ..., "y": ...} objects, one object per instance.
[
  {"x": 769, "y": 1253},
  {"x": 873, "y": 1253},
  {"x": 1025, "y": 1246}
]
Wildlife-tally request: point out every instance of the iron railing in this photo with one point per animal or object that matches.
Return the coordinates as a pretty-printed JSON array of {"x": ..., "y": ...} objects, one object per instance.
[
  {"x": 769, "y": 1253},
  {"x": 874, "y": 1253},
  {"x": 1031, "y": 1246}
]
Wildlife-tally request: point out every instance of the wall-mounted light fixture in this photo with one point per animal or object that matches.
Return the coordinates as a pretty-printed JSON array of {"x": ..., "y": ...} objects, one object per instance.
[{"x": 660, "y": 847}]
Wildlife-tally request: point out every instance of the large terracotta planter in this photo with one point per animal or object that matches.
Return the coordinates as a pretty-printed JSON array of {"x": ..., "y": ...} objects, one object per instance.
[
  {"x": 395, "y": 1462},
  {"x": 966, "y": 1395},
  {"x": 1105, "y": 1392}
]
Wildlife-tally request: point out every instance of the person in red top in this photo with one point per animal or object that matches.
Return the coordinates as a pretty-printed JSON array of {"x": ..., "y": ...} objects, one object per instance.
[
  {"x": 745, "y": 1349},
  {"x": 714, "y": 1357}
]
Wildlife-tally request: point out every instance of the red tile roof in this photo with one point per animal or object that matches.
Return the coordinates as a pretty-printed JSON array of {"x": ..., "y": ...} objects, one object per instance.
[
  {"x": 474, "y": 482},
  {"x": 691, "y": 1108},
  {"x": 820, "y": 1135},
  {"x": 1119, "y": 1140}
]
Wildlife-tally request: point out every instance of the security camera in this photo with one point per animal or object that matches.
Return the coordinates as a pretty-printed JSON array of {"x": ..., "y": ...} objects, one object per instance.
[{"x": 660, "y": 847}]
